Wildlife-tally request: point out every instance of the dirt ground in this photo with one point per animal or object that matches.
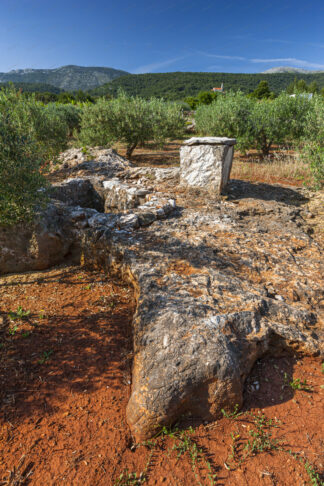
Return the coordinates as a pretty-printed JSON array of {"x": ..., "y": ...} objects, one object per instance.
[
  {"x": 65, "y": 381},
  {"x": 281, "y": 167},
  {"x": 65, "y": 376}
]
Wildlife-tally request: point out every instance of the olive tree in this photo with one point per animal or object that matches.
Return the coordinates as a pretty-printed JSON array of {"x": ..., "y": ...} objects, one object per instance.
[
  {"x": 130, "y": 120},
  {"x": 230, "y": 117},
  {"x": 279, "y": 121},
  {"x": 313, "y": 149},
  {"x": 21, "y": 182},
  {"x": 255, "y": 123}
]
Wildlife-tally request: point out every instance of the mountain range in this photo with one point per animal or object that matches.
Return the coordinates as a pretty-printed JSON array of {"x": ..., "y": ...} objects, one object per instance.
[
  {"x": 68, "y": 78},
  {"x": 289, "y": 69},
  {"x": 100, "y": 81}
]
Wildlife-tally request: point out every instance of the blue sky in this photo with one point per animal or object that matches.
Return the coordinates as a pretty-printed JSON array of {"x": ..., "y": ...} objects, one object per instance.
[{"x": 160, "y": 36}]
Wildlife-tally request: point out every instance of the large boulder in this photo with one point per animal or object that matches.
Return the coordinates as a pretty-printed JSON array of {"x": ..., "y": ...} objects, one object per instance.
[{"x": 38, "y": 245}]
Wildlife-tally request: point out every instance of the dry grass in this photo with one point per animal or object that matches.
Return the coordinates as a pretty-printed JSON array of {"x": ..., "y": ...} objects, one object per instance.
[{"x": 282, "y": 166}]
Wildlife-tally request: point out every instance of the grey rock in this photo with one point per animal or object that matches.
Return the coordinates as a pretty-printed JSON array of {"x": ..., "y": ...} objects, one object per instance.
[
  {"x": 210, "y": 141},
  {"x": 206, "y": 166},
  {"x": 77, "y": 192},
  {"x": 36, "y": 246}
]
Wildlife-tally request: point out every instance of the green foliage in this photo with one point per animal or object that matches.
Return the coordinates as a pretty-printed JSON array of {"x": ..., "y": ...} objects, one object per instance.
[
  {"x": 313, "y": 149},
  {"x": 278, "y": 121},
  {"x": 203, "y": 98},
  {"x": 299, "y": 86},
  {"x": 70, "y": 113},
  {"x": 232, "y": 415},
  {"x": 228, "y": 117},
  {"x": 255, "y": 124},
  {"x": 19, "y": 314},
  {"x": 20, "y": 178},
  {"x": 179, "y": 85},
  {"x": 130, "y": 120},
  {"x": 263, "y": 92},
  {"x": 30, "y": 134}
]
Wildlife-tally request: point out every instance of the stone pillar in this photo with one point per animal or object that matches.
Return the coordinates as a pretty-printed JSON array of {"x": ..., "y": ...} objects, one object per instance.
[{"x": 206, "y": 162}]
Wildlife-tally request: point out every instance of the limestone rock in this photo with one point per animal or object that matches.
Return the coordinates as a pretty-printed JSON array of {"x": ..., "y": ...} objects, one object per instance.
[
  {"x": 36, "y": 246},
  {"x": 207, "y": 275},
  {"x": 206, "y": 163},
  {"x": 77, "y": 192}
]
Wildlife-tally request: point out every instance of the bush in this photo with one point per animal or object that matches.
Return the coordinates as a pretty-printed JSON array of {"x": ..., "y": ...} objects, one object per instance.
[
  {"x": 255, "y": 124},
  {"x": 229, "y": 117},
  {"x": 279, "y": 121},
  {"x": 130, "y": 120},
  {"x": 21, "y": 182},
  {"x": 313, "y": 150},
  {"x": 45, "y": 124},
  {"x": 70, "y": 114}
]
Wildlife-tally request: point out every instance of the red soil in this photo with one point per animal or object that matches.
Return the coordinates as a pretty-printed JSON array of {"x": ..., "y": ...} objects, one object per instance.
[{"x": 65, "y": 382}]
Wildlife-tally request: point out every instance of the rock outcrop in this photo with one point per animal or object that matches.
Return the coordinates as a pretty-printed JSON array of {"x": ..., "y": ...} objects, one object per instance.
[{"x": 220, "y": 282}]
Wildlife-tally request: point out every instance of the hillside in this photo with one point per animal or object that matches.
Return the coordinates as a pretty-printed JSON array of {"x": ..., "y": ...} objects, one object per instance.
[
  {"x": 178, "y": 85},
  {"x": 68, "y": 78},
  {"x": 34, "y": 87}
]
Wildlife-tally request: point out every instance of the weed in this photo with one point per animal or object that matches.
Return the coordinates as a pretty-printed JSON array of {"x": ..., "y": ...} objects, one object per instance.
[
  {"x": 19, "y": 314},
  {"x": 313, "y": 475},
  {"x": 184, "y": 443},
  {"x": 13, "y": 330},
  {"x": 45, "y": 356},
  {"x": 260, "y": 440},
  {"x": 234, "y": 448},
  {"x": 41, "y": 314},
  {"x": 26, "y": 334},
  {"x": 88, "y": 287},
  {"x": 130, "y": 478},
  {"x": 232, "y": 415},
  {"x": 297, "y": 384}
]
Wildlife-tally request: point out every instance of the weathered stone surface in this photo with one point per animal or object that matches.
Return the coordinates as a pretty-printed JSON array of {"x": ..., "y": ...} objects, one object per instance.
[
  {"x": 122, "y": 196},
  {"x": 214, "y": 289},
  {"x": 36, "y": 246},
  {"x": 206, "y": 163},
  {"x": 219, "y": 284},
  {"x": 210, "y": 141},
  {"x": 79, "y": 192}
]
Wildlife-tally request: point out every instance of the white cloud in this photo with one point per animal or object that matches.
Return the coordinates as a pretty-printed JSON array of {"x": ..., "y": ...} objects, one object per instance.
[
  {"x": 219, "y": 56},
  {"x": 148, "y": 68},
  {"x": 290, "y": 60}
]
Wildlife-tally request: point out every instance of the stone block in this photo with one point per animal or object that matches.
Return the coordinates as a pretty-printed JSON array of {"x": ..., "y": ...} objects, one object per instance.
[{"x": 206, "y": 163}]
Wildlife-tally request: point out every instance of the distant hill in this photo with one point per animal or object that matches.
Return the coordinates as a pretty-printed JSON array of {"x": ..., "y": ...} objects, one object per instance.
[
  {"x": 67, "y": 78},
  {"x": 179, "y": 85},
  {"x": 288, "y": 69},
  {"x": 34, "y": 87}
]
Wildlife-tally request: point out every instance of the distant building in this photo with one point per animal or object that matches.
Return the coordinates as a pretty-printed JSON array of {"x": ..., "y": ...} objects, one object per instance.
[
  {"x": 309, "y": 96},
  {"x": 219, "y": 90}
]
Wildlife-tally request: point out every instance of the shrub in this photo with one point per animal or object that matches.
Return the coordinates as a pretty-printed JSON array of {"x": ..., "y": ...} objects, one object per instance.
[
  {"x": 230, "y": 117},
  {"x": 45, "y": 124},
  {"x": 30, "y": 134},
  {"x": 70, "y": 114},
  {"x": 278, "y": 121},
  {"x": 313, "y": 150},
  {"x": 20, "y": 178},
  {"x": 255, "y": 124},
  {"x": 130, "y": 120}
]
